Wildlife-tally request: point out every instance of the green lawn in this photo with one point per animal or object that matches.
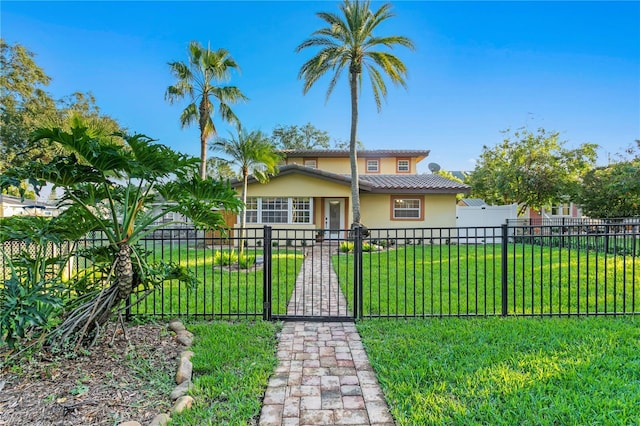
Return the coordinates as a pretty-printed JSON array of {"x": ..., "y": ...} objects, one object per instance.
[
  {"x": 508, "y": 371},
  {"x": 231, "y": 367},
  {"x": 455, "y": 280},
  {"x": 220, "y": 291}
]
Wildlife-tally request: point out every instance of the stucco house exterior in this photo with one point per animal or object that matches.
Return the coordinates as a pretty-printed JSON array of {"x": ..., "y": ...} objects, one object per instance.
[{"x": 313, "y": 191}]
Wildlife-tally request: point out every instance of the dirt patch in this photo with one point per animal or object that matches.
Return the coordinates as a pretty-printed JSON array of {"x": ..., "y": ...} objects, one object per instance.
[{"x": 129, "y": 380}]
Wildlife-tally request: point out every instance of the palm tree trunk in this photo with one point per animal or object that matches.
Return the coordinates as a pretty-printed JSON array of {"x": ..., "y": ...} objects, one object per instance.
[
  {"x": 203, "y": 110},
  {"x": 353, "y": 153},
  {"x": 243, "y": 216}
]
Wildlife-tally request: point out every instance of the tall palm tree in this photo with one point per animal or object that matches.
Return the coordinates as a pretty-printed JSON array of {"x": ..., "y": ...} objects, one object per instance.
[
  {"x": 199, "y": 81},
  {"x": 348, "y": 42},
  {"x": 254, "y": 154}
]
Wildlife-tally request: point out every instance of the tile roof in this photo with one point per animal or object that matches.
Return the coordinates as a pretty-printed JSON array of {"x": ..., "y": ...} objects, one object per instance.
[
  {"x": 361, "y": 153},
  {"x": 425, "y": 183},
  {"x": 473, "y": 202}
]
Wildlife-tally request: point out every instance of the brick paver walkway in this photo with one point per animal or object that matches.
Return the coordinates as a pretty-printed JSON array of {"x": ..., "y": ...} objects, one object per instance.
[{"x": 324, "y": 376}]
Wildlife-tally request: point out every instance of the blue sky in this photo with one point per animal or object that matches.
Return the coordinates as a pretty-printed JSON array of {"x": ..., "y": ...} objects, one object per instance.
[{"x": 478, "y": 68}]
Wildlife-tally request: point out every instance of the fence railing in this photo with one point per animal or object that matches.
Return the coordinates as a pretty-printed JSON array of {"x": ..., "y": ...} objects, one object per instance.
[{"x": 514, "y": 269}]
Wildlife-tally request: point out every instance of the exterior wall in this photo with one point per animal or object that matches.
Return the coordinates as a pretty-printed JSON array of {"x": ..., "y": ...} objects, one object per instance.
[
  {"x": 439, "y": 211},
  {"x": 296, "y": 185},
  {"x": 342, "y": 165}
]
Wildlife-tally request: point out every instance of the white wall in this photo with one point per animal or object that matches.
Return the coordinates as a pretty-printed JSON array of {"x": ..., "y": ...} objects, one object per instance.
[{"x": 490, "y": 216}]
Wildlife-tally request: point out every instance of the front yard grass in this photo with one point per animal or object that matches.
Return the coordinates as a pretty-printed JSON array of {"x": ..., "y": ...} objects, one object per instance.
[
  {"x": 426, "y": 280},
  {"x": 508, "y": 371},
  {"x": 231, "y": 367}
]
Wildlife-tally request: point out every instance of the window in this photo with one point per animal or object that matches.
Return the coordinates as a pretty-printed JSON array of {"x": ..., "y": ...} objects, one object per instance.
[
  {"x": 403, "y": 166},
  {"x": 279, "y": 210},
  {"x": 562, "y": 210},
  {"x": 252, "y": 210},
  {"x": 311, "y": 163},
  {"x": 373, "y": 166},
  {"x": 406, "y": 208},
  {"x": 275, "y": 210}
]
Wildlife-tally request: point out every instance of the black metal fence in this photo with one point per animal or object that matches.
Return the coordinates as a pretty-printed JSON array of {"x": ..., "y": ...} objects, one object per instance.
[{"x": 514, "y": 269}]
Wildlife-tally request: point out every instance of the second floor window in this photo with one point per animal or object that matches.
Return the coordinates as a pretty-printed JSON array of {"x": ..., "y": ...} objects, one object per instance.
[
  {"x": 373, "y": 166},
  {"x": 311, "y": 163},
  {"x": 403, "y": 166}
]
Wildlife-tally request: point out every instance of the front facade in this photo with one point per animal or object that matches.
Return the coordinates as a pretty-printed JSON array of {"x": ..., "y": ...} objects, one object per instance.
[{"x": 313, "y": 191}]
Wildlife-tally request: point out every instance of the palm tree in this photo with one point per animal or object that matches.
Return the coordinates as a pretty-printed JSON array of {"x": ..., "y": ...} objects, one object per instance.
[
  {"x": 198, "y": 80},
  {"x": 348, "y": 42},
  {"x": 254, "y": 154}
]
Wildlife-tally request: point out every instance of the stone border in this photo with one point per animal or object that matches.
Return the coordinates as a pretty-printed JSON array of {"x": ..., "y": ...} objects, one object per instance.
[{"x": 182, "y": 401}]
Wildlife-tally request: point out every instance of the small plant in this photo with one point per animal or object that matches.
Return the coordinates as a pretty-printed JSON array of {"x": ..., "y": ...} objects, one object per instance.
[
  {"x": 289, "y": 242},
  {"x": 259, "y": 243},
  {"x": 246, "y": 261},
  {"x": 346, "y": 247},
  {"x": 274, "y": 244},
  {"x": 366, "y": 247},
  {"x": 225, "y": 258}
]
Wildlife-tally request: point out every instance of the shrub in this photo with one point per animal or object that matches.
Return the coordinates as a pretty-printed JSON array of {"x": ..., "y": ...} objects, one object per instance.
[
  {"x": 246, "y": 261},
  {"x": 366, "y": 247},
  {"x": 346, "y": 247},
  {"x": 225, "y": 258}
]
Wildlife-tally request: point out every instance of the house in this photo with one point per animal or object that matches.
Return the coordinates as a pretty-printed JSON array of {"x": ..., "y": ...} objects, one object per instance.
[
  {"x": 313, "y": 191},
  {"x": 15, "y": 206}
]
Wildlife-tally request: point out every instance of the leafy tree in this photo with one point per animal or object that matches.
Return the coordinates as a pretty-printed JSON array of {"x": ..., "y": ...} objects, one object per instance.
[
  {"x": 109, "y": 186},
  {"x": 254, "y": 155},
  {"x": 613, "y": 191},
  {"x": 304, "y": 137},
  {"x": 452, "y": 177},
  {"x": 220, "y": 169},
  {"x": 348, "y": 43},
  {"x": 199, "y": 80},
  {"x": 530, "y": 169},
  {"x": 24, "y": 104}
]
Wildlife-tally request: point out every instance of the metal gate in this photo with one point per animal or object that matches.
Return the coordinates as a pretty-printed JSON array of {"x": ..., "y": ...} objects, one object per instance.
[{"x": 325, "y": 269}]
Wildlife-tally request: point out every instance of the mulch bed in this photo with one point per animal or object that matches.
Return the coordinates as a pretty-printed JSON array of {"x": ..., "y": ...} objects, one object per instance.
[{"x": 105, "y": 387}]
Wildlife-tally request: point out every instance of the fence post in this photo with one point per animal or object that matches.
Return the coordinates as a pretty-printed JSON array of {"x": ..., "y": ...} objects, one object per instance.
[
  {"x": 504, "y": 265},
  {"x": 357, "y": 272},
  {"x": 266, "y": 274}
]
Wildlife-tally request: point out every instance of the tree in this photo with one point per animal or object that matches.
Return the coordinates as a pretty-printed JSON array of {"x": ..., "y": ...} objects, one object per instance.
[
  {"x": 109, "y": 186},
  {"x": 348, "y": 43},
  {"x": 24, "y": 104},
  {"x": 294, "y": 137},
  {"x": 530, "y": 169},
  {"x": 613, "y": 191},
  {"x": 199, "y": 80},
  {"x": 254, "y": 155}
]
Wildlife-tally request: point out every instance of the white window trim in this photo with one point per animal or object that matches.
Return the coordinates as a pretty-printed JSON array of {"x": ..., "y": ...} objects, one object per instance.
[
  {"x": 402, "y": 170},
  {"x": 377, "y": 166},
  {"x": 290, "y": 210},
  {"x": 413, "y": 209}
]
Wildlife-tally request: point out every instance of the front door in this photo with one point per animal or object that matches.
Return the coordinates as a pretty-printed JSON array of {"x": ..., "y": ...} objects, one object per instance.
[{"x": 333, "y": 217}]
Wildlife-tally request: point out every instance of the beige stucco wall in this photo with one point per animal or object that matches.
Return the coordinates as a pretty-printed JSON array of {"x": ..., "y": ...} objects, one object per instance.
[
  {"x": 297, "y": 185},
  {"x": 439, "y": 211},
  {"x": 343, "y": 166}
]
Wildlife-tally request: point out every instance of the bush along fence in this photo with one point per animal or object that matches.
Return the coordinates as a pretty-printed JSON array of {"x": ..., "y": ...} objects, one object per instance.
[{"x": 523, "y": 269}]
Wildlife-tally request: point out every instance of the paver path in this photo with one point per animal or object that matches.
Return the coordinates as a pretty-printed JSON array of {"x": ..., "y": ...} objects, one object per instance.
[{"x": 324, "y": 376}]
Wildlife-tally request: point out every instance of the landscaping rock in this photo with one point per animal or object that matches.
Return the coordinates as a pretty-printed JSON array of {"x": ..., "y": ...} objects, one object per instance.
[
  {"x": 183, "y": 403},
  {"x": 184, "y": 370},
  {"x": 176, "y": 326},
  {"x": 160, "y": 420},
  {"x": 181, "y": 390},
  {"x": 184, "y": 340},
  {"x": 186, "y": 354},
  {"x": 132, "y": 423}
]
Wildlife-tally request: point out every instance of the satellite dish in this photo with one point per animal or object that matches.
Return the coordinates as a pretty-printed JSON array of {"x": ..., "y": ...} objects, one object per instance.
[{"x": 434, "y": 167}]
